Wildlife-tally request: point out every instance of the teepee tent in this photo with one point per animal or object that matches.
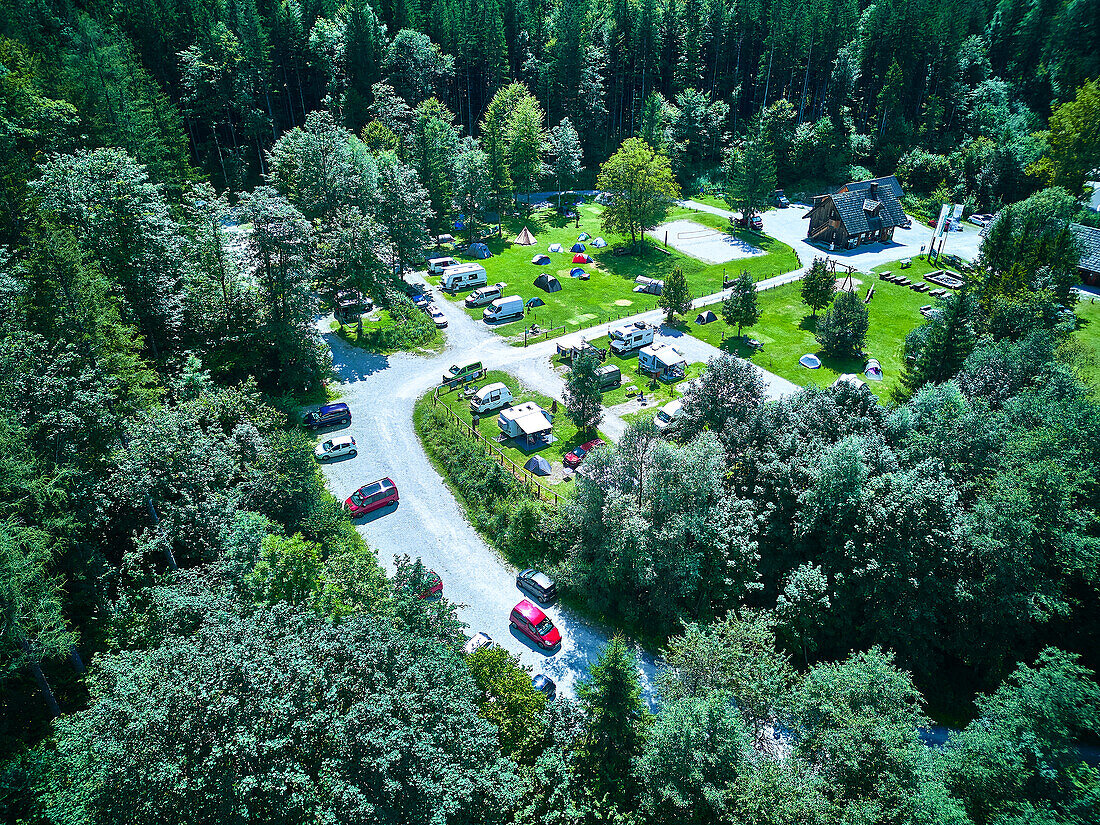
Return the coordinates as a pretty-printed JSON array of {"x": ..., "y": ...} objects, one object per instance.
[{"x": 525, "y": 238}]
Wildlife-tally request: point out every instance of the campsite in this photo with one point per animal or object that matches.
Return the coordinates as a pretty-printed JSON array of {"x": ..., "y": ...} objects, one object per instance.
[
  {"x": 604, "y": 289},
  {"x": 565, "y": 433}
]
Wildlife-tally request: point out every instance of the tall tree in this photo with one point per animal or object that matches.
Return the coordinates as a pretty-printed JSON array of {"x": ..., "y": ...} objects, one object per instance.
[
  {"x": 843, "y": 329},
  {"x": 936, "y": 351},
  {"x": 565, "y": 150},
  {"x": 1074, "y": 138},
  {"x": 675, "y": 297},
  {"x": 641, "y": 186},
  {"x": 583, "y": 396},
  {"x": 818, "y": 286},
  {"x": 750, "y": 174},
  {"x": 472, "y": 193},
  {"x": 740, "y": 306}
]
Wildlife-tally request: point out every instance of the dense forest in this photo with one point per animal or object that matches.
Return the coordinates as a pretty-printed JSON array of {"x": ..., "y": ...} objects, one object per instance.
[{"x": 192, "y": 629}]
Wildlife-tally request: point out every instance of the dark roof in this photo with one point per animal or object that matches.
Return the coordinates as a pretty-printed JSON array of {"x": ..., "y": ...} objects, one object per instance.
[
  {"x": 890, "y": 181},
  {"x": 861, "y": 214},
  {"x": 1088, "y": 241}
]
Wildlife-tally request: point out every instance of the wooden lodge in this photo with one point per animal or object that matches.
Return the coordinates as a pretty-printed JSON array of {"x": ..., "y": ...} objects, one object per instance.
[{"x": 860, "y": 212}]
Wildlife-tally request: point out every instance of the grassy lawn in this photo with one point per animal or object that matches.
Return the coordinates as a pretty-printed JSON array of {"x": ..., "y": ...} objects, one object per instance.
[
  {"x": 378, "y": 328},
  {"x": 564, "y": 430},
  {"x": 787, "y": 332},
  {"x": 1088, "y": 336},
  {"x": 609, "y": 294}
]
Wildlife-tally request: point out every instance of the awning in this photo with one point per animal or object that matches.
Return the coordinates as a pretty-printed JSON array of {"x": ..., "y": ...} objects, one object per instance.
[{"x": 533, "y": 423}]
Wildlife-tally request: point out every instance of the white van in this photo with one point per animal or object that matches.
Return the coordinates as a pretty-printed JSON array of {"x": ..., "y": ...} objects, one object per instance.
[
  {"x": 463, "y": 276},
  {"x": 631, "y": 336},
  {"x": 437, "y": 265},
  {"x": 485, "y": 295},
  {"x": 668, "y": 414},
  {"x": 490, "y": 397},
  {"x": 503, "y": 309}
]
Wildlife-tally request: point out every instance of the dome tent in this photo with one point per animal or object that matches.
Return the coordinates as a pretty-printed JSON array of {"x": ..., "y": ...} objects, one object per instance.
[
  {"x": 599, "y": 243},
  {"x": 577, "y": 247},
  {"x": 548, "y": 282},
  {"x": 480, "y": 251},
  {"x": 576, "y": 272},
  {"x": 535, "y": 302},
  {"x": 584, "y": 236},
  {"x": 541, "y": 260},
  {"x": 581, "y": 258},
  {"x": 554, "y": 247},
  {"x": 538, "y": 465},
  {"x": 810, "y": 361},
  {"x": 705, "y": 317}
]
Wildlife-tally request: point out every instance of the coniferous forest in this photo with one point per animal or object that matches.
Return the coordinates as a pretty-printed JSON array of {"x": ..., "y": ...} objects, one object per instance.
[{"x": 193, "y": 629}]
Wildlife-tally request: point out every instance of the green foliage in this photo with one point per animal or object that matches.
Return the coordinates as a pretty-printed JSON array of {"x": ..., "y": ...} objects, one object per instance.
[
  {"x": 507, "y": 698},
  {"x": 750, "y": 172},
  {"x": 675, "y": 297},
  {"x": 740, "y": 305},
  {"x": 642, "y": 189},
  {"x": 936, "y": 351},
  {"x": 818, "y": 286},
  {"x": 583, "y": 396},
  {"x": 288, "y": 570},
  {"x": 842, "y": 331},
  {"x": 1074, "y": 139}
]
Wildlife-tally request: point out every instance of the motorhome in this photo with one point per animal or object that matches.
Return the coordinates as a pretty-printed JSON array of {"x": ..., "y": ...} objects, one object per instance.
[
  {"x": 490, "y": 397},
  {"x": 485, "y": 295},
  {"x": 631, "y": 336},
  {"x": 526, "y": 419},
  {"x": 503, "y": 309},
  {"x": 437, "y": 265},
  {"x": 463, "y": 276}
]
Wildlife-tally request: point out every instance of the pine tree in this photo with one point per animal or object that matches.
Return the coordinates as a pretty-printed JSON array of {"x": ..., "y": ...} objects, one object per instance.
[
  {"x": 843, "y": 330},
  {"x": 936, "y": 352},
  {"x": 675, "y": 297},
  {"x": 750, "y": 173},
  {"x": 583, "y": 397}
]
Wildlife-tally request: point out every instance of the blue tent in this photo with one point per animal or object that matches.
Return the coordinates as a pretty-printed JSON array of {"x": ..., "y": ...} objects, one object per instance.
[
  {"x": 480, "y": 251},
  {"x": 536, "y": 302},
  {"x": 541, "y": 260},
  {"x": 577, "y": 247},
  {"x": 576, "y": 272},
  {"x": 538, "y": 465},
  {"x": 584, "y": 236}
]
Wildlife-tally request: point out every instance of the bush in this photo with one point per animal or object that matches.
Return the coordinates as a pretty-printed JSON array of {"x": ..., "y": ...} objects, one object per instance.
[{"x": 842, "y": 331}]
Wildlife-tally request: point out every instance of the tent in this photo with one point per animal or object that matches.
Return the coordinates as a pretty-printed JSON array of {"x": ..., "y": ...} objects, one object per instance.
[
  {"x": 577, "y": 272},
  {"x": 535, "y": 302},
  {"x": 810, "y": 361},
  {"x": 541, "y": 260},
  {"x": 525, "y": 238},
  {"x": 705, "y": 317},
  {"x": 548, "y": 282},
  {"x": 853, "y": 381},
  {"x": 584, "y": 236},
  {"x": 554, "y": 247},
  {"x": 873, "y": 370},
  {"x": 599, "y": 243},
  {"x": 459, "y": 225},
  {"x": 538, "y": 465},
  {"x": 480, "y": 251},
  {"x": 577, "y": 247},
  {"x": 445, "y": 239},
  {"x": 581, "y": 258}
]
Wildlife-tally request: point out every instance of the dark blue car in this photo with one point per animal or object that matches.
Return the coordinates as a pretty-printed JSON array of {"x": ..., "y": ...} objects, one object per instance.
[{"x": 330, "y": 415}]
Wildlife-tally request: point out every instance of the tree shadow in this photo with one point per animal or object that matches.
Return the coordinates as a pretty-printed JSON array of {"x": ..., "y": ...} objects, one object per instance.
[{"x": 809, "y": 323}]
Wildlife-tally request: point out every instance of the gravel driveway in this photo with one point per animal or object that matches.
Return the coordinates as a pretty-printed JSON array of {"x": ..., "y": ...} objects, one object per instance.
[{"x": 428, "y": 522}]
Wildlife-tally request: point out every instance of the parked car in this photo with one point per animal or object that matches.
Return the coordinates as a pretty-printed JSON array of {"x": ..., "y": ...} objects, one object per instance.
[
  {"x": 982, "y": 219},
  {"x": 337, "y": 447},
  {"x": 535, "y": 625},
  {"x": 575, "y": 456},
  {"x": 781, "y": 200},
  {"x": 475, "y": 644},
  {"x": 435, "y": 585},
  {"x": 438, "y": 317},
  {"x": 485, "y": 295},
  {"x": 422, "y": 301},
  {"x": 466, "y": 373},
  {"x": 371, "y": 497},
  {"x": 756, "y": 223},
  {"x": 545, "y": 685},
  {"x": 537, "y": 584},
  {"x": 329, "y": 415}
]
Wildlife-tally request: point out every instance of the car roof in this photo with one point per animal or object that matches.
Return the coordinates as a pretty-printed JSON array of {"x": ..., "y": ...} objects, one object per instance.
[
  {"x": 375, "y": 486},
  {"x": 673, "y": 406},
  {"x": 528, "y": 610},
  {"x": 595, "y": 442},
  {"x": 541, "y": 579},
  {"x": 337, "y": 407},
  {"x": 541, "y": 680},
  {"x": 342, "y": 439}
]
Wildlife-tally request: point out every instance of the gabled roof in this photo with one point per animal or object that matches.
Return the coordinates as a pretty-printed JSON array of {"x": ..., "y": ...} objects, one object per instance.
[
  {"x": 1088, "y": 241},
  {"x": 889, "y": 182},
  {"x": 861, "y": 214}
]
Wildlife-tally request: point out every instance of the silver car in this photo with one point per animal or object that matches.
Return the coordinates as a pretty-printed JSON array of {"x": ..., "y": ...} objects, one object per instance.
[{"x": 337, "y": 447}]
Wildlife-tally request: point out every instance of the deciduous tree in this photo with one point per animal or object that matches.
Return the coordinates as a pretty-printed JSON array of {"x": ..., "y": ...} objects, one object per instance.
[{"x": 641, "y": 186}]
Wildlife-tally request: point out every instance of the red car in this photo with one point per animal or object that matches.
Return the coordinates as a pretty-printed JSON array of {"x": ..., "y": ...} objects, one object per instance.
[
  {"x": 435, "y": 585},
  {"x": 371, "y": 497},
  {"x": 576, "y": 456},
  {"x": 535, "y": 625}
]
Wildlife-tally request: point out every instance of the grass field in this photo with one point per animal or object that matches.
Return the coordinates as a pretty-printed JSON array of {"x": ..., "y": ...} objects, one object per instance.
[
  {"x": 564, "y": 430},
  {"x": 786, "y": 330},
  {"x": 628, "y": 366},
  {"x": 609, "y": 293},
  {"x": 1088, "y": 336}
]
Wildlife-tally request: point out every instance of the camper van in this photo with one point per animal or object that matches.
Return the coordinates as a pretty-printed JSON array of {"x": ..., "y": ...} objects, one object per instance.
[
  {"x": 667, "y": 415},
  {"x": 485, "y": 295},
  {"x": 503, "y": 309},
  {"x": 463, "y": 276},
  {"x": 631, "y": 337},
  {"x": 490, "y": 397},
  {"x": 437, "y": 265},
  {"x": 609, "y": 376}
]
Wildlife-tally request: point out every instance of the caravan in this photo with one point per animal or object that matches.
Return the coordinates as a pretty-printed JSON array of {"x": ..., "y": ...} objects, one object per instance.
[
  {"x": 632, "y": 336},
  {"x": 437, "y": 265},
  {"x": 463, "y": 276},
  {"x": 490, "y": 397}
]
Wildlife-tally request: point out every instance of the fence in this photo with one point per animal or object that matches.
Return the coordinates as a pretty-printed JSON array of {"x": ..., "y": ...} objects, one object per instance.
[
  {"x": 618, "y": 315},
  {"x": 529, "y": 482}
]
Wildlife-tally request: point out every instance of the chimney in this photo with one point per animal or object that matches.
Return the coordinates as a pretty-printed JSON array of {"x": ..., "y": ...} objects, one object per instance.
[{"x": 872, "y": 190}]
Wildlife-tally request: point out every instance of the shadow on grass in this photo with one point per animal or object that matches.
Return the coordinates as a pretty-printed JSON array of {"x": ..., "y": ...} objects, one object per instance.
[{"x": 809, "y": 324}]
